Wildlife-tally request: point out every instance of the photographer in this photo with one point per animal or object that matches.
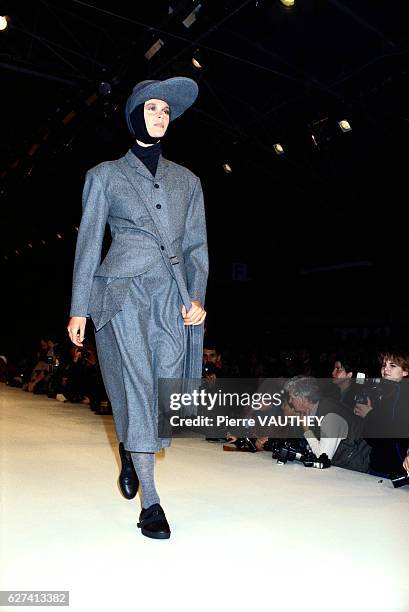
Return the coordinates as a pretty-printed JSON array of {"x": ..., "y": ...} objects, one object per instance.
[
  {"x": 72, "y": 373},
  {"x": 212, "y": 362},
  {"x": 53, "y": 360},
  {"x": 212, "y": 369},
  {"x": 386, "y": 414},
  {"x": 80, "y": 380},
  {"x": 335, "y": 437}
]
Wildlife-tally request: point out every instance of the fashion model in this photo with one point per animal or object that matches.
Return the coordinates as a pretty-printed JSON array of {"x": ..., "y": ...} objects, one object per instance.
[{"x": 146, "y": 297}]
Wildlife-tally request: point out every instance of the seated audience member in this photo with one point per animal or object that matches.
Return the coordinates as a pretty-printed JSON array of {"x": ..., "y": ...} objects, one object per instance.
[
  {"x": 71, "y": 376},
  {"x": 211, "y": 370},
  {"x": 270, "y": 390},
  {"x": 336, "y": 436},
  {"x": 212, "y": 361},
  {"x": 38, "y": 382},
  {"x": 342, "y": 378},
  {"x": 93, "y": 386},
  {"x": 386, "y": 414}
]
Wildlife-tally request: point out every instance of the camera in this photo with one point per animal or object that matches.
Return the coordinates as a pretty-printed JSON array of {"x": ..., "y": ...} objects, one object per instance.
[
  {"x": 400, "y": 480},
  {"x": 288, "y": 450},
  {"x": 246, "y": 444},
  {"x": 53, "y": 362},
  {"x": 83, "y": 351},
  {"x": 299, "y": 450},
  {"x": 361, "y": 398},
  {"x": 209, "y": 368},
  {"x": 372, "y": 388},
  {"x": 322, "y": 462}
]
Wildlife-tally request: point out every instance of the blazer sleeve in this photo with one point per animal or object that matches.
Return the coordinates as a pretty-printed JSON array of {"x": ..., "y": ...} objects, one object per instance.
[
  {"x": 195, "y": 246},
  {"x": 89, "y": 243}
]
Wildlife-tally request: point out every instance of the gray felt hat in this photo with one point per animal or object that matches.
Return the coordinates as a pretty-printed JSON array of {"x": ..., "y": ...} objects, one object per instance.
[{"x": 178, "y": 92}]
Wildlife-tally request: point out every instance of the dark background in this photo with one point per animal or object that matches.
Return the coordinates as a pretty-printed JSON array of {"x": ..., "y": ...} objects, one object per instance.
[{"x": 320, "y": 231}]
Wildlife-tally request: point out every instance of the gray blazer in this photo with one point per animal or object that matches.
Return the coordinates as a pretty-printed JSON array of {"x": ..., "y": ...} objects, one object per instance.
[{"x": 174, "y": 195}]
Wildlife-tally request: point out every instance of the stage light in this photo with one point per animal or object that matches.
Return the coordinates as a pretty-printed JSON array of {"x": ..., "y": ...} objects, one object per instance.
[
  {"x": 197, "y": 59},
  {"x": 278, "y": 148},
  {"x": 288, "y": 2},
  {"x": 227, "y": 168},
  {"x": 154, "y": 49},
  {"x": 3, "y": 23},
  {"x": 345, "y": 125},
  {"x": 196, "y": 64},
  {"x": 191, "y": 18}
]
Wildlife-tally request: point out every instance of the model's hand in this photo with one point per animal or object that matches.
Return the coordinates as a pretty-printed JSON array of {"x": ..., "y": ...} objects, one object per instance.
[
  {"x": 196, "y": 314},
  {"x": 406, "y": 463},
  {"x": 76, "y": 330}
]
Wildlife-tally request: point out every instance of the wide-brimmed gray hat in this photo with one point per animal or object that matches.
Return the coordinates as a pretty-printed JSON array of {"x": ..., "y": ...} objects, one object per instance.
[{"x": 178, "y": 92}]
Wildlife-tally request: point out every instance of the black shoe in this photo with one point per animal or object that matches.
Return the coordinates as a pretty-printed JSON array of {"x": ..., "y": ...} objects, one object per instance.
[
  {"x": 153, "y": 523},
  {"x": 128, "y": 479}
]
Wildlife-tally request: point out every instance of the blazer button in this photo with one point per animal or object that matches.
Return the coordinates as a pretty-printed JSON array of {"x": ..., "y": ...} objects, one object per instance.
[
  {"x": 158, "y": 206},
  {"x": 156, "y": 186},
  {"x": 162, "y": 247}
]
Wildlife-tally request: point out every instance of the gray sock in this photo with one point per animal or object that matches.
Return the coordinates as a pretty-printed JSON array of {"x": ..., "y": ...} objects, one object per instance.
[{"x": 144, "y": 465}]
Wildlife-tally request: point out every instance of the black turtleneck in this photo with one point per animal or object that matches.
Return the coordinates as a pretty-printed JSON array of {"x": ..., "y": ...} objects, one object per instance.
[{"x": 148, "y": 155}]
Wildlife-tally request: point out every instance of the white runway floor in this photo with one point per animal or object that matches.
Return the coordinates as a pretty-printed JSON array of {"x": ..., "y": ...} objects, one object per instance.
[{"x": 247, "y": 534}]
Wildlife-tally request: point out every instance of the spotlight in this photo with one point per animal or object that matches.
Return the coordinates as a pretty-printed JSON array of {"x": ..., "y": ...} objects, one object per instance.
[
  {"x": 196, "y": 63},
  {"x": 345, "y": 125},
  {"x": 227, "y": 168},
  {"x": 3, "y": 23},
  {"x": 154, "y": 49},
  {"x": 278, "y": 148},
  {"x": 288, "y": 2},
  {"x": 197, "y": 59}
]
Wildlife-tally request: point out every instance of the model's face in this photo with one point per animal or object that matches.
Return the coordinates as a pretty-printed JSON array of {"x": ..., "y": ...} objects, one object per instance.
[
  {"x": 392, "y": 371},
  {"x": 339, "y": 374},
  {"x": 157, "y": 117}
]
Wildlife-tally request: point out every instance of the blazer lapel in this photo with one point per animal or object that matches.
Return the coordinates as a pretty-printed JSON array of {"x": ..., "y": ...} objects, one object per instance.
[
  {"x": 136, "y": 163},
  {"x": 162, "y": 169}
]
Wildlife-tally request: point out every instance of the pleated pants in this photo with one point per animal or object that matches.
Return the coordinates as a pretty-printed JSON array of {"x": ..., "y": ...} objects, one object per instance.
[{"x": 143, "y": 342}]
